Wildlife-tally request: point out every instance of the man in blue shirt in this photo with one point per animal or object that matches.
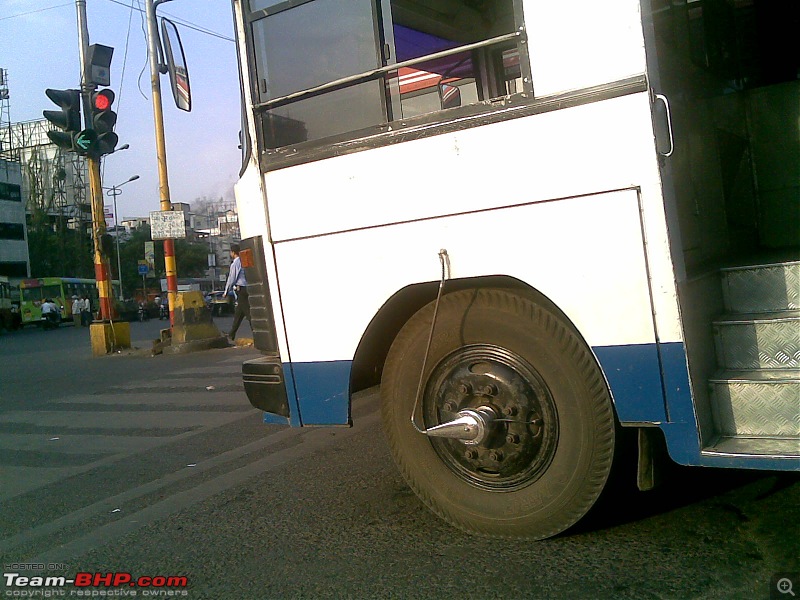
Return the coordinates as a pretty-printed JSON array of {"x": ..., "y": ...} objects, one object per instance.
[{"x": 237, "y": 282}]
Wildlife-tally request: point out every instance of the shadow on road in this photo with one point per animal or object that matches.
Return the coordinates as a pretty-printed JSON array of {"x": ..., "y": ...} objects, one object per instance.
[{"x": 679, "y": 486}]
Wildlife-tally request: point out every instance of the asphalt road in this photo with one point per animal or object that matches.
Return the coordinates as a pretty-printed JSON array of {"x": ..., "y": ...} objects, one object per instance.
[{"x": 158, "y": 466}]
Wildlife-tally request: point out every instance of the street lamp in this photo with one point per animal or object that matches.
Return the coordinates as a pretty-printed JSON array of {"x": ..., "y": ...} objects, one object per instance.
[{"x": 114, "y": 191}]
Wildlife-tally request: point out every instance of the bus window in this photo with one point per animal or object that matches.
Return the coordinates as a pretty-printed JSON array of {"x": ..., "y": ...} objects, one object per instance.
[
  {"x": 51, "y": 291},
  {"x": 31, "y": 294},
  {"x": 419, "y": 31},
  {"x": 508, "y": 67},
  {"x": 309, "y": 45},
  {"x": 324, "y": 68}
]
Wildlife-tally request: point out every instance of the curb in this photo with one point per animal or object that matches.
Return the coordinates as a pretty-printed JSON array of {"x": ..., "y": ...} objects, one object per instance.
[{"x": 196, "y": 345}]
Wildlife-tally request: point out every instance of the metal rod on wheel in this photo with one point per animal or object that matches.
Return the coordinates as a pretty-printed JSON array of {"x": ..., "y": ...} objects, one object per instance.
[{"x": 444, "y": 260}]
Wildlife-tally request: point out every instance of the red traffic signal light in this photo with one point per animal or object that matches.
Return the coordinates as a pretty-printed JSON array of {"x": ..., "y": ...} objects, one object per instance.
[
  {"x": 103, "y": 121},
  {"x": 103, "y": 100}
]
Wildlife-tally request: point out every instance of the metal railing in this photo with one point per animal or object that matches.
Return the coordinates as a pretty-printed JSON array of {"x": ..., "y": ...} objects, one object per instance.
[{"x": 375, "y": 73}]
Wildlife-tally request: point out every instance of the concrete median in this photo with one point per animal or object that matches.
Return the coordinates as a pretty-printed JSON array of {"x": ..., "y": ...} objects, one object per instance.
[{"x": 193, "y": 329}]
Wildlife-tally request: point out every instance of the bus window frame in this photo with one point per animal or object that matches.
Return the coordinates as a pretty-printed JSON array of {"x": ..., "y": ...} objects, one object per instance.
[{"x": 385, "y": 132}]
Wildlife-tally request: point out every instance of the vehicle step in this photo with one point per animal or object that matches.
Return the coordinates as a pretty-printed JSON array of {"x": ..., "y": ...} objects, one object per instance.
[
  {"x": 758, "y": 341},
  {"x": 762, "y": 288},
  {"x": 757, "y": 403},
  {"x": 773, "y": 447}
]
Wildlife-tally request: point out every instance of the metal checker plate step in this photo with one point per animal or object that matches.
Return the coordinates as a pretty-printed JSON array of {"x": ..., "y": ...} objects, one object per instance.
[
  {"x": 762, "y": 288},
  {"x": 768, "y": 447},
  {"x": 757, "y": 403},
  {"x": 787, "y": 264},
  {"x": 760, "y": 376},
  {"x": 781, "y": 316},
  {"x": 759, "y": 342}
]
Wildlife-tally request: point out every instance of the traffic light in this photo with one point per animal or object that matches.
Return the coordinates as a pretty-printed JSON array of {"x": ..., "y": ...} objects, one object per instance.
[
  {"x": 68, "y": 119},
  {"x": 103, "y": 121}
]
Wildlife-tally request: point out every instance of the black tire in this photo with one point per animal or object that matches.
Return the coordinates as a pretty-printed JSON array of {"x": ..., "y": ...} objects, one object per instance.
[{"x": 542, "y": 468}]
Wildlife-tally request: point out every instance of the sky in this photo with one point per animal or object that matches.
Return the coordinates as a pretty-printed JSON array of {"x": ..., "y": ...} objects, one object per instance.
[{"x": 39, "y": 49}]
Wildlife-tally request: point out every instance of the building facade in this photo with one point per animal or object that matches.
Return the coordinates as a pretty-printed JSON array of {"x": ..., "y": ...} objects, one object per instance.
[{"x": 14, "y": 259}]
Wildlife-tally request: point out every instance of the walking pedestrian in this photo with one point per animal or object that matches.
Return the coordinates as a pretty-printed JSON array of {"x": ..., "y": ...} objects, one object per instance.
[
  {"x": 238, "y": 284},
  {"x": 86, "y": 312},
  {"x": 77, "y": 306}
]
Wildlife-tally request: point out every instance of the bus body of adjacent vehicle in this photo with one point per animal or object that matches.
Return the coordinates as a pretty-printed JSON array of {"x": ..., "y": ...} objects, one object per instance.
[
  {"x": 59, "y": 289},
  {"x": 532, "y": 223},
  {"x": 9, "y": 316}
]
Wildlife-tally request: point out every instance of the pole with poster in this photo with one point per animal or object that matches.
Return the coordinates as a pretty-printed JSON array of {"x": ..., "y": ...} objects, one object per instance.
[
  {"x": 150, "y": 258},
  {"x": 143, "y": 270},
  {"x": 154, "y": 49}
]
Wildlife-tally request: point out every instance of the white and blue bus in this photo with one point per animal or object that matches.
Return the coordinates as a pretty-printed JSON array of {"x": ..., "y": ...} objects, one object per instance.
[{"x": 535, "y": 225}]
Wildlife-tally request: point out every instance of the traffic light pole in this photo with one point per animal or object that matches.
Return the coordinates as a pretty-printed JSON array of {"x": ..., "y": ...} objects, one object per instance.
[
  {"x": 161, "y": 149},
  {"x": 101, "y": 267}
]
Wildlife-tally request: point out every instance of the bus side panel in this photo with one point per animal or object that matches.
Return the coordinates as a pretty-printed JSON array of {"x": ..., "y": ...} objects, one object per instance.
[
  {"x": 596, "y": 147},
  {"x": 333, "y": 285},
  {"x": 582, "y": 43},
  {"x": 253, "y": 223}
]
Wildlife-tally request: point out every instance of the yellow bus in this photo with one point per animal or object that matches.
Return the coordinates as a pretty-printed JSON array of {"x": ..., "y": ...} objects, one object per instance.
[{"x": 59, "y": 289}]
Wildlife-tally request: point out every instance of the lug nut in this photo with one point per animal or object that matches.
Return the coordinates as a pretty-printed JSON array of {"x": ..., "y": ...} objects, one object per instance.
[
  {"x": 450, "y": 406},
  {"x": 489, "y": 390},
  {"x": 510, "y": 411},
  {"x": 464, "y": 389},
  {"x": 496, "y": 455},
  {"x": 512, "y": 438},
  {"x": 471, "y": 454}
]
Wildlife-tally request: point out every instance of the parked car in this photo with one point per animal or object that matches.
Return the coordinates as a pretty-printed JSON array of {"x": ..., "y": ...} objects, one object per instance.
[{"x": 219, "y": 303}]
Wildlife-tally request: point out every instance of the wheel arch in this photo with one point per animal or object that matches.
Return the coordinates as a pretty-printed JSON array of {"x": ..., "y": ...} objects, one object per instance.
[{"x": 376, "y": 340}]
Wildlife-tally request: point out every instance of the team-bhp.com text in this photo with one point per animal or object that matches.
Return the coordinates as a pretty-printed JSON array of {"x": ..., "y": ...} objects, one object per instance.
[{"x": 94, "y": 585}]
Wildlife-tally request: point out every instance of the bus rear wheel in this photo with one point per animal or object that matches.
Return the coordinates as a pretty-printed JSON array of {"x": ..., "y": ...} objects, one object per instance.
[{"x": 548, "y": 427}]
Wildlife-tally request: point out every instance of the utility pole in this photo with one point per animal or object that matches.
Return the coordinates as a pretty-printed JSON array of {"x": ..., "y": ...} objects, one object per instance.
[
  {"x": 101, "y": 268},
  {"x": 115, "y": 191},
  {"x": 153, "y": 45}
]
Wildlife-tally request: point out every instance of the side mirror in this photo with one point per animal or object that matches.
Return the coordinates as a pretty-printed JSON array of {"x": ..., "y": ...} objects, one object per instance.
[
  {"x": 449, "y": 96},
  {"x": 176, "y": 65}
]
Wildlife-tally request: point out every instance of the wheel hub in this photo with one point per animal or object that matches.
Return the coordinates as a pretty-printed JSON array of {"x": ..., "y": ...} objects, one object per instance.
[
  {"x": 490, "y": 417},
  {"x": 471, "y": 426}
]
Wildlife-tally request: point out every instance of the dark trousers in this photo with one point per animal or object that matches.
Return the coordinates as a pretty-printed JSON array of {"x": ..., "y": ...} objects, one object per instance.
[{"x": 242, "y": 310}]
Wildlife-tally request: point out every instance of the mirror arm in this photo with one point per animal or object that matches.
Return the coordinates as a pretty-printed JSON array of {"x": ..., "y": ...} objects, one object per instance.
[{"x": 162, "y": 67}]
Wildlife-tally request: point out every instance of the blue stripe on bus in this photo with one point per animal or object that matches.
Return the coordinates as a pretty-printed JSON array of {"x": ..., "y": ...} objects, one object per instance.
[
  {"x": 634, "y": 376},
  {"x": 323, "y": 392},
  {"x": 633, "y": 373}
]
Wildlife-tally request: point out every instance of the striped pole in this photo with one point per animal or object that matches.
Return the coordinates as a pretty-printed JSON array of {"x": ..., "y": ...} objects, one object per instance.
[
  {"x": 101, "y": 269},
  {"x": 161, "y": 150}
]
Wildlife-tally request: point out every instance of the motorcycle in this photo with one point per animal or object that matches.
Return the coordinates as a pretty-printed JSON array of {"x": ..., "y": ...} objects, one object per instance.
[
  {"x": 163, "y": 311},
  {"x": 143, "y": 316}
]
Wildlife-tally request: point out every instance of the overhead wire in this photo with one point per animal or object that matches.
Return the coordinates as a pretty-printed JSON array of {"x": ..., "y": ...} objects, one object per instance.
[
  {"x": 147, "y": 46},
  {"x": 125, "y": 56},
  {"x": 31, "y": 12},
  {"x": 179, "y": 20},
  {"x": 121, "y": 85}
]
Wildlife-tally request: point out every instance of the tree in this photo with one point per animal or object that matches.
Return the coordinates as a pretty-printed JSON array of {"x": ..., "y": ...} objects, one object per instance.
[
  {"x": 55, "y": 250},
  {"x": 191, "y": 259}
]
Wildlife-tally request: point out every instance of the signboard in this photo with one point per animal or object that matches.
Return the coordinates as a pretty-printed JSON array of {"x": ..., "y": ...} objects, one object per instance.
[
  {"x": 150, "y": 255},
  {"x": 143, "y": 270},
  {"x": 167, "y": 225}
]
